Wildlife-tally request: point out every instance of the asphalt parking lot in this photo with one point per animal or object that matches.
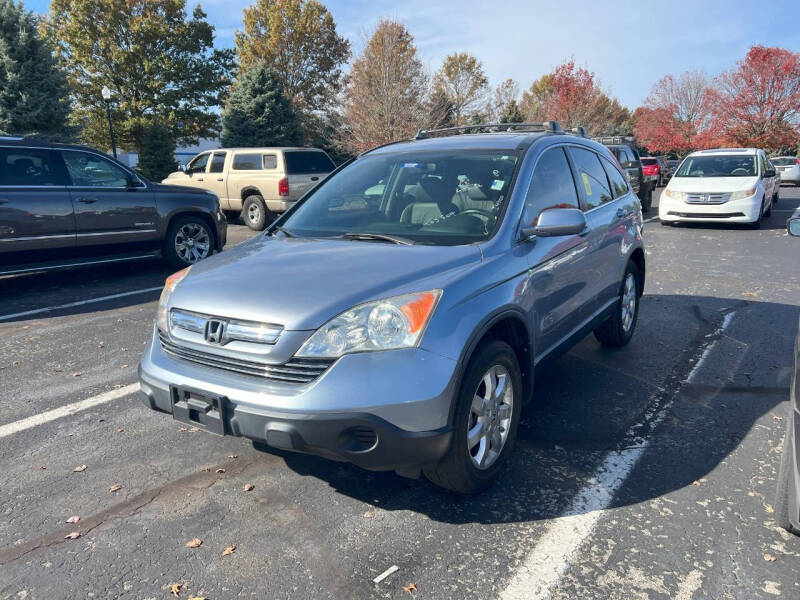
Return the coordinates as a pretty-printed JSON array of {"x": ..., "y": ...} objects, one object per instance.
[{"x": 641, "y": 473}]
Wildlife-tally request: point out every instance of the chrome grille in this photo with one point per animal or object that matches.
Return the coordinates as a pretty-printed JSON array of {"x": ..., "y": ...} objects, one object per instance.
[
  {"x": 295, "y": 370},
  {"x": 707, "y": 198}
]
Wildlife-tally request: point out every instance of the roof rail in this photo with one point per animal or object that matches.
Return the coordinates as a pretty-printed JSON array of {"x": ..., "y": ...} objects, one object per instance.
[
  {"x": 551, "y": 126},
  {"x": 614, "y": 139},
  {"x": 581, "y": 131}
]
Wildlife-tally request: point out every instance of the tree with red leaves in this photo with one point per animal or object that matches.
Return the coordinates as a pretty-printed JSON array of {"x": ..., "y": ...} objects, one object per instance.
[
  {"x": 571, "y": 96},
  {"x": 757, "y": 103}
]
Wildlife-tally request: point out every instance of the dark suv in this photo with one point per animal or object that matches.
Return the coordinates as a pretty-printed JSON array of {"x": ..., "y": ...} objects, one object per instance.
[
  {"x": 623, "y": 148},
  {"x": 66, "y": 206}
]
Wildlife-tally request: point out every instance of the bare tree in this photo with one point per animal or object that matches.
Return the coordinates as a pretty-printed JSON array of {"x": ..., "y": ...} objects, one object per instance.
[
  {"x": 505, "y": 99},
  {"x": 385, "y": 94},
  {"x": 685, "y": 95},
  {"x": 461, "y": 78}
]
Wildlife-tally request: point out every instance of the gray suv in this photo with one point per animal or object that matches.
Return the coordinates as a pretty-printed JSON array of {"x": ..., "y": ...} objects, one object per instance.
[{"x": 394, "y": 316}]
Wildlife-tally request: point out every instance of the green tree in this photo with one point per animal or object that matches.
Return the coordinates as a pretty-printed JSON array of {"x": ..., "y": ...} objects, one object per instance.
[
  {"x": 258, "y": 114},
  {"x": 159, "y": 64},
  {"x": 298, "y": 39},
  {"x": 511, "y": 113},
  {"x": 461, "y": 78},
  {"x": 157, "y": 154},
  {"x": 33, "y": 89}
]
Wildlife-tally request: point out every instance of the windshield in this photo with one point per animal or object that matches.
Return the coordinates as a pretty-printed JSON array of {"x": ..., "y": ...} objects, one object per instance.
[
  {"x": 440, "y": 198},
  {"x": 718, "y": 166},
  {"x": 649, "y": 161},
  {"x": 784, "y": 162}
]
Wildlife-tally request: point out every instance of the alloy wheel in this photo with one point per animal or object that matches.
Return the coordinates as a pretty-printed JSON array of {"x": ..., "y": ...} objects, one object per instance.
[
  {"x": 192, "y": 243},
  {"x": 490, "y": 417},
  {"x": 628, "y": 302}
]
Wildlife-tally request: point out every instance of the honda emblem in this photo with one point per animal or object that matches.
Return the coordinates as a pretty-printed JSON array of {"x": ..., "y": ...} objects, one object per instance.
[{"x": 215, "y": 331}]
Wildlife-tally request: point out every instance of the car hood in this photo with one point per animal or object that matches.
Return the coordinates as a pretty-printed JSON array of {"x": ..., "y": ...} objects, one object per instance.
[
  {"x": 302, "y": 283},
  {"x": 177, "y": 189},
  {"x": 711, "y": 184}
]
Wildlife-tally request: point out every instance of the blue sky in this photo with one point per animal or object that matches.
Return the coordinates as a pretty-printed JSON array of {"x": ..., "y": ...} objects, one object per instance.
[{"x": 628, "y": 44}]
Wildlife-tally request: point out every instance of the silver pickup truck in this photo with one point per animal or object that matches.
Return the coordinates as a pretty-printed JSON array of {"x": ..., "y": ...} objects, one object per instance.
[{"x": 256, "y": 182}]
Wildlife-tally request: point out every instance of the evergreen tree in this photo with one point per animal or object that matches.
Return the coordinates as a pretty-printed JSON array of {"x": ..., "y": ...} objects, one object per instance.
[
  {"x": 33, "y": 90},
  {"x": 157, "y": 156},
  {"x": 258, "y": 114},
  {"x": 511, "y": 113}
]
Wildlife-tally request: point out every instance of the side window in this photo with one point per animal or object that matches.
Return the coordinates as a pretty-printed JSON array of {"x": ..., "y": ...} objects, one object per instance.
[
  {"x": 270, "y": 161},
  {"x": 217, "y": 163},
  {"x": 618, "y": 183},
  {"x": 90, "y": 170},
  {"x": 552, "y": 186},
  {"x": 28, "y": 166},
  {"x": 763, "y": 164},
  {"x": 198, "y": 163},
  {"x": 591, "y": 176},
  {"x": 623, "y": 157},
  {"x": 247, "y": 162}
]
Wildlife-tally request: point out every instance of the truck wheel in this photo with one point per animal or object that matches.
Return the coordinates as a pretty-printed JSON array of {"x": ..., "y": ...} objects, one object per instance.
[
  {"x": 255, "y": 213},
  {"x": 618, "y": 329},
  {"x": 485, "y": 424},
  {"x": 189, "y": 239}
]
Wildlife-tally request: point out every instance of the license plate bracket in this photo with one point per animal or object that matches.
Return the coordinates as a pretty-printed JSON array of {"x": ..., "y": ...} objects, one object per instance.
[{"x": 199, "y": 409}]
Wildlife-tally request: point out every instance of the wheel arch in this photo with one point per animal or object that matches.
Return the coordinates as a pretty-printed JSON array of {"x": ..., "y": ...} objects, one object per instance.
[
  {"x": 188, "y": 212},
  {"x": 250, "y": 190},
  {"x": 637, "y": 257}
]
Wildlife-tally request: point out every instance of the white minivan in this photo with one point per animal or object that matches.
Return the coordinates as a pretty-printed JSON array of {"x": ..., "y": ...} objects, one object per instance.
[{"x": 737, "y": 185}]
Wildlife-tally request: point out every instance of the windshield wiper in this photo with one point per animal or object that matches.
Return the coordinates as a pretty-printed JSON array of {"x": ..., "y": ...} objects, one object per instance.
[
  {"x": 285, "y": 232},
  {"x": 377, "y": 237}
]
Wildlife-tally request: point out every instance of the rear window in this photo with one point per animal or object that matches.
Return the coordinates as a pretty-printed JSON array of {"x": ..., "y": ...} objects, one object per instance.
[
  {"x": 649, "y": 161},
  {"x": 784, "y": 162},
  {"x": 247, "y": 162},
  {"x": 298, "y": 162}
]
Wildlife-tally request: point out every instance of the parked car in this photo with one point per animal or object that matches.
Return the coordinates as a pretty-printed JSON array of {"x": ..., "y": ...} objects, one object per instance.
[
  {"x": 733, "y": 185},
  {"x": 393, "y": 318},
  {"x": 788, "y": 168},
  {"x": 655, "y": 170},
  {"x": 626, "y": 154},
  {"x": 257, "y": 183},
  {"x": 67, "y": 206},
  {"x": 673, "y": 164},
  {"x": 787, "y": 500}
]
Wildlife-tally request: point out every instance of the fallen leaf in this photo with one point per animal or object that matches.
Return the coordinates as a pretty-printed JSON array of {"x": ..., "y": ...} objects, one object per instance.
[
  {"x": 74, "y": 519},
  {"x": 80, "y": 469},
  {"x": 193, "y": 430},
  {"x": 15, "y": 363},
  {"x": 194, "y": 543},
  {"x": 769, "y": 558},
  {"x": 43, "y": 468},
  {"x": 183, "y": 429},
  {"x": 233, "y": 456},
  {"x": 197, "y": 598},
  {"x": 115, "y": 488},
  {"x": 73, "y": 536},
  {"x": 229, "y": 550},
  {"x": 220, "y": 471},
  {"x": 248, "y": 487},
  {"x": 175, "y": 588},
  {"x": 769, "y": 509},
  {"x": 124, "y": 366},
  {"x": 101, "y": 344},
  {"x": 369, "y": 514},
  {"x": 751, "y": 493},
  {"x": 695, "y": 483},
  {"x": 120, "y": 430},
  {"x": 207, "y": 469},
  {"x": 77, "y": 374},
  {"x": 411, "y": 587}
]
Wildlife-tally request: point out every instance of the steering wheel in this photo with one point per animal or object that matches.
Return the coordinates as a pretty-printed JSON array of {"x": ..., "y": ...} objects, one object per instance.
[
  {"x": 742, "y": 170},
  {"x": 484, "y": 215}
]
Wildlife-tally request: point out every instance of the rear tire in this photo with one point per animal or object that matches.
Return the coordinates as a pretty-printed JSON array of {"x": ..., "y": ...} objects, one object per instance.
[
  {"x": 618, "y": 329},
  {"x": 646, "y": 199},
  {"x": 480, "y": 411},
  {"x": 189, "y": 240},
  {"x": 255, "y": 213},
  {"x": 785, "y": 480}
]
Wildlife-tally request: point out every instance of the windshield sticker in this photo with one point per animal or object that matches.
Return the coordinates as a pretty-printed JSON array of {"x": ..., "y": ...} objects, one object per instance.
[
  {"x": 587, "y": 186},
  {"x": 497, "y": 185},
  {"x": 410, "y": 165}
]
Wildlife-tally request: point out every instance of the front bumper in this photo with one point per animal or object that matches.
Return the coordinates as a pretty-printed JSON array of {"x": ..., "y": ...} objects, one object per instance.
[
  {"x": 734, "y": 211},
  {"x": 380, "y": 410}
]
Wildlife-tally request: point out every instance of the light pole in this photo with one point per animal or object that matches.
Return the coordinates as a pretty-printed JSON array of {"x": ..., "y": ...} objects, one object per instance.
[{"x": 106, "y": 93}]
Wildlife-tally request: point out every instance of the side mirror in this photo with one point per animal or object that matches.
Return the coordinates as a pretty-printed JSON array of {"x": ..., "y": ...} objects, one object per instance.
[
  {"x": 793, "y": 226},
  {"x": 183, "y": 168},
  {"x": 770, "y": 172},
  {"x": 133, "y": 182},
  {"x": 557, "y": 222}
]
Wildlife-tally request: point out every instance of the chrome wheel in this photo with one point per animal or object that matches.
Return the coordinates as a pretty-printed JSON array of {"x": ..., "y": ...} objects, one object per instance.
[
  {"x": 490, "y": 417},
  {"x": 192, "y": 243},
  {"x": 628, "y": 302},
  {"x": 253, "y": 212}
]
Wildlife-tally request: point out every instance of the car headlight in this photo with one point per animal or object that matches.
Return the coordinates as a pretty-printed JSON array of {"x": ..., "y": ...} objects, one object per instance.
[
  {"x": 387, "y": 324},
  {"x": 740, "y": 195},
  {"x": 675, "y": 195},
  {"x": 162, "y": 316}
]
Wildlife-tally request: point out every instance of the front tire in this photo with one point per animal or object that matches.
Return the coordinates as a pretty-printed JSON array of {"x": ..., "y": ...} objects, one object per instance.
[
  {"x": 255, "y": 213},
  {"x": 189, "y": 240},
  {"x": 485, "y": 424},
  {"x": 618, "y": 329}
]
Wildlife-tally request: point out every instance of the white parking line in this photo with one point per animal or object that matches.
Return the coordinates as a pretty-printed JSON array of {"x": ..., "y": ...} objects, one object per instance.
[
  {"x": 69, "y": 409},
  {"x": 544, "y": 566},
  {"x": 651, "y": 219},
  {"x": 78, "y": 303}
]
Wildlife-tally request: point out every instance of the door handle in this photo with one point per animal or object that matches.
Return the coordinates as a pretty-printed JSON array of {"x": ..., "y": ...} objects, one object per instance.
[
  {"x": 218, "y": 179},
  {"x": 87, "y": 200},
  {"x": 3, "y": 201},
  {"x": 199, "y": 179},
  {"x": 315, "y": 179}
]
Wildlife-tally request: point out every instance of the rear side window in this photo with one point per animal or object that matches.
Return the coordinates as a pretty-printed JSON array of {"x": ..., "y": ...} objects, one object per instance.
[
  {"x": 300, "y": 163},
  {"x": 592, "y": 177},
  {"x": 28, "y": 166},
  {"x": 552, "y": 186},
  {"x": 270, "y": 161},
  {"x": 217, "y": 163},
  {"x": 649, "y": 161},
  {"x": 247, "y": 162},
  {"x": 618, "y": 183}
]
